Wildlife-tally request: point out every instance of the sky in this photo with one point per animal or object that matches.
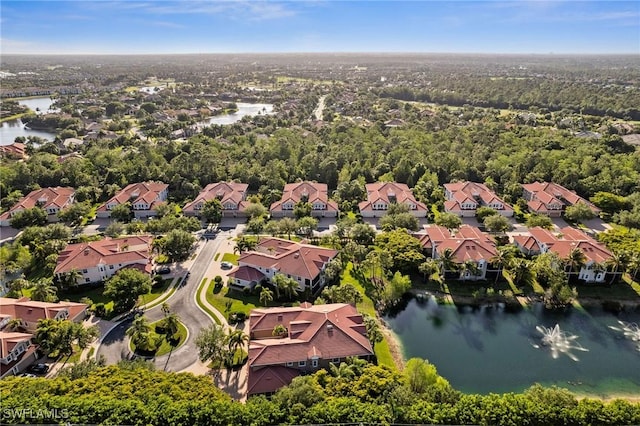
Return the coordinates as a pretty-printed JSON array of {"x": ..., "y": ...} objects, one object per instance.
[{"x": 264, "y": 26}]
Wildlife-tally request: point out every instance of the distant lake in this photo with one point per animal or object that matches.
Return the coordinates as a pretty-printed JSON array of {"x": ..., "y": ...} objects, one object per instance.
[
  {"x": 10, "y": 130},
  {"x": 244, "y": 109}
]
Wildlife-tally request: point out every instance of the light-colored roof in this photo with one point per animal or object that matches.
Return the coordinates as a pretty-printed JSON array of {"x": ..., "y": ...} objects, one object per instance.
[
  {"x": 110, "y": 251},
  {"x": 314, "y": 191},
  {"x": 9, "y": 340},
  {"x": 324, "y": 331},
  {"x": 224, "y": 191},
  {"x": 385, "y": 191},
  {"x": 301, "y": 260},
  {"x": 58, "y": 196}
]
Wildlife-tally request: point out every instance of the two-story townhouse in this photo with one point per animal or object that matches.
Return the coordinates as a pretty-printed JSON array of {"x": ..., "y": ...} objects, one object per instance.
[
  {"x": 313, "y": 193},
  {"x": 303, "y": 262},
  {"x": 51, "y": 200},
  {"x": 314, "y": 337},
  {"x": 232, "y": 196},
  {"x": 97, "y": 261},
  {"x": 381, "y": 195},
  {"x": 596, "y": 256},
  {"x": 464, "y": 198},
  {"x": 551, "y": 199},
  {"x": 16, "y": 352},
  {"x": 470, "y": 249},
  {"x": 143, "y": 197}
]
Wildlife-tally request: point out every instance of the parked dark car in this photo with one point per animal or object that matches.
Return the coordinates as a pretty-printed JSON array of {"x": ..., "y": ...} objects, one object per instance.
[
  {"x": 163, "y": 270},
  {"x": 38, "y": 368}
]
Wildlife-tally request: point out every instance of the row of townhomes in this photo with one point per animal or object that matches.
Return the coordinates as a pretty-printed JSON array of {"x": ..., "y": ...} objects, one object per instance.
[
  {"x": 462, "y": 199},
  {"x": 19, "y": 320},
  {"x": 289, "y": 342}
]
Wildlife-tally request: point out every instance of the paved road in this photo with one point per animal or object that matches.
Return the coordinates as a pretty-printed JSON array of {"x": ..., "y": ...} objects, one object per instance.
[{"x": 114, "y": 346}]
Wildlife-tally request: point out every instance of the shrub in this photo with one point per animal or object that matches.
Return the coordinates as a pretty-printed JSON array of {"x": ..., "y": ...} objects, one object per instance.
[{"x": 99, "y": 309}]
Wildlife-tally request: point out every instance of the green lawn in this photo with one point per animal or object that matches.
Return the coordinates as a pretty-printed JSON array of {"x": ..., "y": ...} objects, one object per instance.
[
  {"x": 230, "y": 257},
  {"x": 382, "y": 351},
  {"x": 226, "y": 300},
  {"x": 202, "y": 305},
  {"x": 156, "y": 291},
  {"x": 165, "y": 347},
  {"x": 624, "y": 289}
]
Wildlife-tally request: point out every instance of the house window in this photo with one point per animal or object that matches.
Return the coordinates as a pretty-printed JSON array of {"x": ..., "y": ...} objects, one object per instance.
[
  {"x": 84, "y": 271},
  {"x": 110, "y": 266},
  {"x": 335, "y": 360},
  {"x": 314, "y": 363},
  {"x": 86, "y": 280},
  {"x": 302, "y": 363},
  {"x": 290, "y": 364}
]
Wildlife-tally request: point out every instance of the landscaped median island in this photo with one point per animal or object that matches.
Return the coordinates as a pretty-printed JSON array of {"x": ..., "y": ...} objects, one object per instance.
[{"x": 155, "y": 339}]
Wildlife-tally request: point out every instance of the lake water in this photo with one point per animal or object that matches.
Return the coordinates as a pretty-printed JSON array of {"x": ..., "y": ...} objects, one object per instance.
[
  {"x": 244, "y": 109},
  {"x": 485, "y": 350},
  {"x": 10, "y": 130}
]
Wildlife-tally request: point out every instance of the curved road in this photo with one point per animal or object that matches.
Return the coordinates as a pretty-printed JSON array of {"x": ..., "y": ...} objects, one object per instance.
[{"x": 115, "y": 347}]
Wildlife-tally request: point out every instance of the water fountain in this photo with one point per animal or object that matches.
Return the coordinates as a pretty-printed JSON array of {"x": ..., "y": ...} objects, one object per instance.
[
  {"x": 630, "y": 331},
  {"x": 559, "y": 342}
]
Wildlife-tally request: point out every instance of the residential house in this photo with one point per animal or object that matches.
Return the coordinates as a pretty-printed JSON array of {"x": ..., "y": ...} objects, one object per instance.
[
  {"x": 144, "y": 197},
  {"x": 551, "y": 199},
  {"x": 314, "y": 337},
  {"x": 303, "y": 262},
  {"x": 15, "y": 150},
  {"x": 17, "y": 350},
  {"x": 596, "y": 255},
  {"x": 471, "y": 249},
  {"x": 97, "y": 261},
  {"x": 52, "y": 200},
  {"x": 312, "y": 192},
  {"x": 381, "y": 195},
  {"x": 464, "y": 198},
  {"x": 232, "y": 196}
]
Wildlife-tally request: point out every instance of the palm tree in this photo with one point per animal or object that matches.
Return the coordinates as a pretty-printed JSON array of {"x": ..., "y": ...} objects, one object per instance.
[
  {"x": 617, "y": 261},
  {"x": 19, "y": 284},
  {"x": 236, "y": 339},
  {"x": 500, "y": 260},
  {"x": 634, "y": 264},
  {"x": 171, "y": 324},
  {"x": 279, "y": 330},
  {"x": 428, "y": 268},
  {"x": 522, "y": 270},
  {"x": 15, "y": 324},
  {"x": 46, "y": 334},
  {"x": 471, "y": 267},
  {"x": 44, "y": 291},
  {"x": 140, "y": 333},
  {"x": 70, "y": 279},
  {"x": 447, "y": 262},
  {"x": 266, "y": 296},
  {"x": 288, "y": 226},
  {"x": 290, "y": 288},
  {"x": 574, "y": 260}
]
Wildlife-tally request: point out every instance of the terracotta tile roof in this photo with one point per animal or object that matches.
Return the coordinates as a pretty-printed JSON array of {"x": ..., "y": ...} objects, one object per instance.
[
  {"x": 246, "y": 273},
  {"x": 9, "y": 340},
  {"x": 269, "y": 379},
  {"x": 31, "y": 311},
  {"x": 385, "y": 191},
  {"x": 475, "y": 192},
  {"x": 45, "y": 197},
  {"x": 5, "y": 368},
  {"x": 468, "y": 243},
  {"x": 315, "y": 192},
  {"x": 327, "y": 331},
  {"x": 432, "y": 235},
  {"x": 570, "y": 238},
  {"x": 527, "y": 242},
  {"x": 16, "y": 149},
  {"x": 301, "y": 260},
  {"x": 104, "y": 252},
  {"x": 135, "y": 192},
  {"x": 225, "y": 191},
  {"x": 546, "y": 193}
]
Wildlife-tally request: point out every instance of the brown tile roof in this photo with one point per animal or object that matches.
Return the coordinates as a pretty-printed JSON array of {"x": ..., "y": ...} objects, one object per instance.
[
  {"x": 384, "y": 191},
  {"x": 45, "y": 197},
  {"x": 269, "y": 379},
  {"x": 301, "y": 260},
  {"x": 246, "y": 273},
  {"x": 135, "y": 192},
  {"x": 31, "y": 311},
  {"x": 225, "y": 191},
  {"x": 314, "y": 191},
  {"x": 327, "y": 331},
  {"x": 109, "y": 251}
]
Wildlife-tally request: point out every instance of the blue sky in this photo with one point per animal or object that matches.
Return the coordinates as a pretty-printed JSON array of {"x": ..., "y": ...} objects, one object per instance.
[{"x": 234, "y": 26}]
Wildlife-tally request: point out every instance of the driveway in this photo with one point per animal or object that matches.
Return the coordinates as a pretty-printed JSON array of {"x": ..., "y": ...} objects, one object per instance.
[{"x": 115, "y": 345}]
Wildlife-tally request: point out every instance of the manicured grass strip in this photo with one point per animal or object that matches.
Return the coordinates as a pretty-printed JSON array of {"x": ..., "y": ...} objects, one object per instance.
[
  {"x": 634, "y": 284},
  {"x": 509, "y": 279},
  {"x": 230, "y": 257},
  {"x": 215, "y": 258},
  {"x": 202, "y": 305},
  {"x": 381, "y": 349}
]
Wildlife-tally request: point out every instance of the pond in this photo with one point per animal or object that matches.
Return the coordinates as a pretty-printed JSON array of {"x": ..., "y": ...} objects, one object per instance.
[
  {"x": 10, "y": 130},
  {"x": 244, "y": 109},
  {"x": 488, "y": 349}
]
